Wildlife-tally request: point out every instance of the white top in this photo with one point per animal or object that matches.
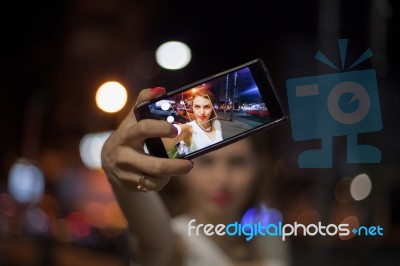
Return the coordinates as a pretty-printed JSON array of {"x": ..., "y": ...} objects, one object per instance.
[
  {"x": 201, "y": 250},
  {"x": 200, "y": 138}
]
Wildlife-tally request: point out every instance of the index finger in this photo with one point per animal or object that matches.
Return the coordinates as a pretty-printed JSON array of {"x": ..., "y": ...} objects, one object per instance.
[
  {"x": 144, "y": 95},
  {"x": 149, "y": 94}
]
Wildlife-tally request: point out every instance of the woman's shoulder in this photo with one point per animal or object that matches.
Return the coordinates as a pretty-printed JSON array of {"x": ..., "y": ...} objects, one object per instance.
[{"x": 217, "y": 124}]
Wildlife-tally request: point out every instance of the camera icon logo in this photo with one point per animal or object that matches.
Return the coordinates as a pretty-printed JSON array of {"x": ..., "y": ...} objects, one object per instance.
[{"x": 338, "y": 104}]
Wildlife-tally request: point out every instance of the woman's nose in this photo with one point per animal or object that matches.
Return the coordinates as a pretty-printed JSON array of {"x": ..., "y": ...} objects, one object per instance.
[{"x": 221, "y": 174}]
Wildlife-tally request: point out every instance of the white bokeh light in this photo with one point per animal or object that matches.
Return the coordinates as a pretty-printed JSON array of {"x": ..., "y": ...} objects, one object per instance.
[
  {"x": 90, "y": 149},
  {"x": 360, "y": 187},
  {"x": 173, "y": 55},
  {"x": 170, "y": 119},
  {"x": 111, "y": 97},
  {"x": 26, "y": 182},
  {"x": 165, "y": 106}
]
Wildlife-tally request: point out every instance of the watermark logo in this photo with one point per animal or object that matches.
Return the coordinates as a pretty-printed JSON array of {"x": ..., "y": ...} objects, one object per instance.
[
  {"x": 249, "y": 231},
  {"x": 339, "y": 104}
]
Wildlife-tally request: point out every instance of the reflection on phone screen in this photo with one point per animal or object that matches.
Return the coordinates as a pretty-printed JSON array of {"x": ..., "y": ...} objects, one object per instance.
[{"x": 211, "y": 112}]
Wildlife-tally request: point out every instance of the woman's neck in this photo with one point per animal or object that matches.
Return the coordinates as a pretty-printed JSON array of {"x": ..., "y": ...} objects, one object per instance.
[{"x": 205, "y": 126}]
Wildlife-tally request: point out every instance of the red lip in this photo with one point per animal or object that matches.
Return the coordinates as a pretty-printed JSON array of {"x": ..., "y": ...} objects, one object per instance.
[
  {"x": 221, "y": 197},
  {"x": 202, "y": 117}
]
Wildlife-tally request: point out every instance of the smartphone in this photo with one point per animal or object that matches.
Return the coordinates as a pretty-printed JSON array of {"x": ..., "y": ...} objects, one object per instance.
[{"x": 215, "y": 111}]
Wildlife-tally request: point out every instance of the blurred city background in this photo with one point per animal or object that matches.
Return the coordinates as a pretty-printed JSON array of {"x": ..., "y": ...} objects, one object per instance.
[{"x": 56, "y": 206}]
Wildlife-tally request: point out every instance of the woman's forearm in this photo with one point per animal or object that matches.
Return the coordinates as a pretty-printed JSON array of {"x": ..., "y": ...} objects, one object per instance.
[
  {"x": 149, "y": 220},
  {"x": 124, "y": 160}
]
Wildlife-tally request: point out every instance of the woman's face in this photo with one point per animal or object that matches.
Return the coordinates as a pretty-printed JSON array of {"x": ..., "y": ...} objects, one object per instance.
[
  {"x": 202, "y": 109},
  {"x": 221, "y": 182}
]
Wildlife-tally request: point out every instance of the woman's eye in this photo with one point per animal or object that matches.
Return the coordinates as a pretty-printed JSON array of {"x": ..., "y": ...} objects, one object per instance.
[{"x": 237, "y": 161}]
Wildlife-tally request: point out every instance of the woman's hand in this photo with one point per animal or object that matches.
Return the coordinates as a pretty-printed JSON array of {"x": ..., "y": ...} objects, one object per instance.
[
  {"x": 123, "y": 156},
  {"x": 185, "y": 135}
]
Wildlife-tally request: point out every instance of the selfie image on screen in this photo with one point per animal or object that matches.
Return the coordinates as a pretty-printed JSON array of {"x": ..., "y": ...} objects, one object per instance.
[{"x": 211, "y": 112}]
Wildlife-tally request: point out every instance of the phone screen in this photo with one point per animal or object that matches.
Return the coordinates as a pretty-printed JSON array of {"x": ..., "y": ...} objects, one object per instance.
[{"x": 216, "y": 110}]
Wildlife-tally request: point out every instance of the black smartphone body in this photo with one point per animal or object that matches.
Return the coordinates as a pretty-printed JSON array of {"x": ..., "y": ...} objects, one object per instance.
[{"x": 215, "y": 111}]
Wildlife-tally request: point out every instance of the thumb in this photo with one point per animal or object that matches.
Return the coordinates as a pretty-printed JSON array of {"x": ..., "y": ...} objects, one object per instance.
[{"x": 149, "y": 94}]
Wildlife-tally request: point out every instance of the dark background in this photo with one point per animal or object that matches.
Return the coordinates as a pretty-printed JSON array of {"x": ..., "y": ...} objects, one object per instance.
[{"x": 55, "y": 54}]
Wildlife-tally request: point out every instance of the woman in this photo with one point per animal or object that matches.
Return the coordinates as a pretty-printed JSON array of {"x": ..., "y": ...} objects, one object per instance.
[
  {"x": 203, "y": 131},
  {"x": 220, "y": 186}
]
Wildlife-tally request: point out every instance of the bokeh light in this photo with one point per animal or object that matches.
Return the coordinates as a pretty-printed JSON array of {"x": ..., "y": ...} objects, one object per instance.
[
  {"x": 26, "y": 182},
  {"x": 275, "y": 216},
  {"x": 254, "y": 215},
  {"x": 165, "y": 106},
  {"x": 78, "y": 224},
  {"x": 61, "y": 230},
  {"x": 360, "y": 187},
  {"x": 261, "y": 214},
  {"x": 111, "y": 97},
  {"x": 173, "y": 55},
  {"x": 342, "y": 190},
  {"x": 114, "y": 216},
  {"x": 170, "y": 119},
  {"x": 95, "y": 212},
  {"x": 50, "y": 205},
  {"x": 37, "y": 219},
  {"x": 309, "y": 216},
  {"x": 353, "y": 222},
  {"x": 90, "y": 148}
]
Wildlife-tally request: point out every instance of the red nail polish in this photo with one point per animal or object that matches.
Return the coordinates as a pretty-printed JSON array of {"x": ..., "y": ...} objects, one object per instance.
[
  {"x": 176, "y": 132},
  {"x": 157, "y": 89}
]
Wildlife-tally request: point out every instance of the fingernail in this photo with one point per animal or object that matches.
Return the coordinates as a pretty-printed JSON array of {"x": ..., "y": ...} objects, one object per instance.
[
  {"x": 157, "y": 90},
  {"x": 192, "y": 164},
  {"x": 175, "y": 132}
]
